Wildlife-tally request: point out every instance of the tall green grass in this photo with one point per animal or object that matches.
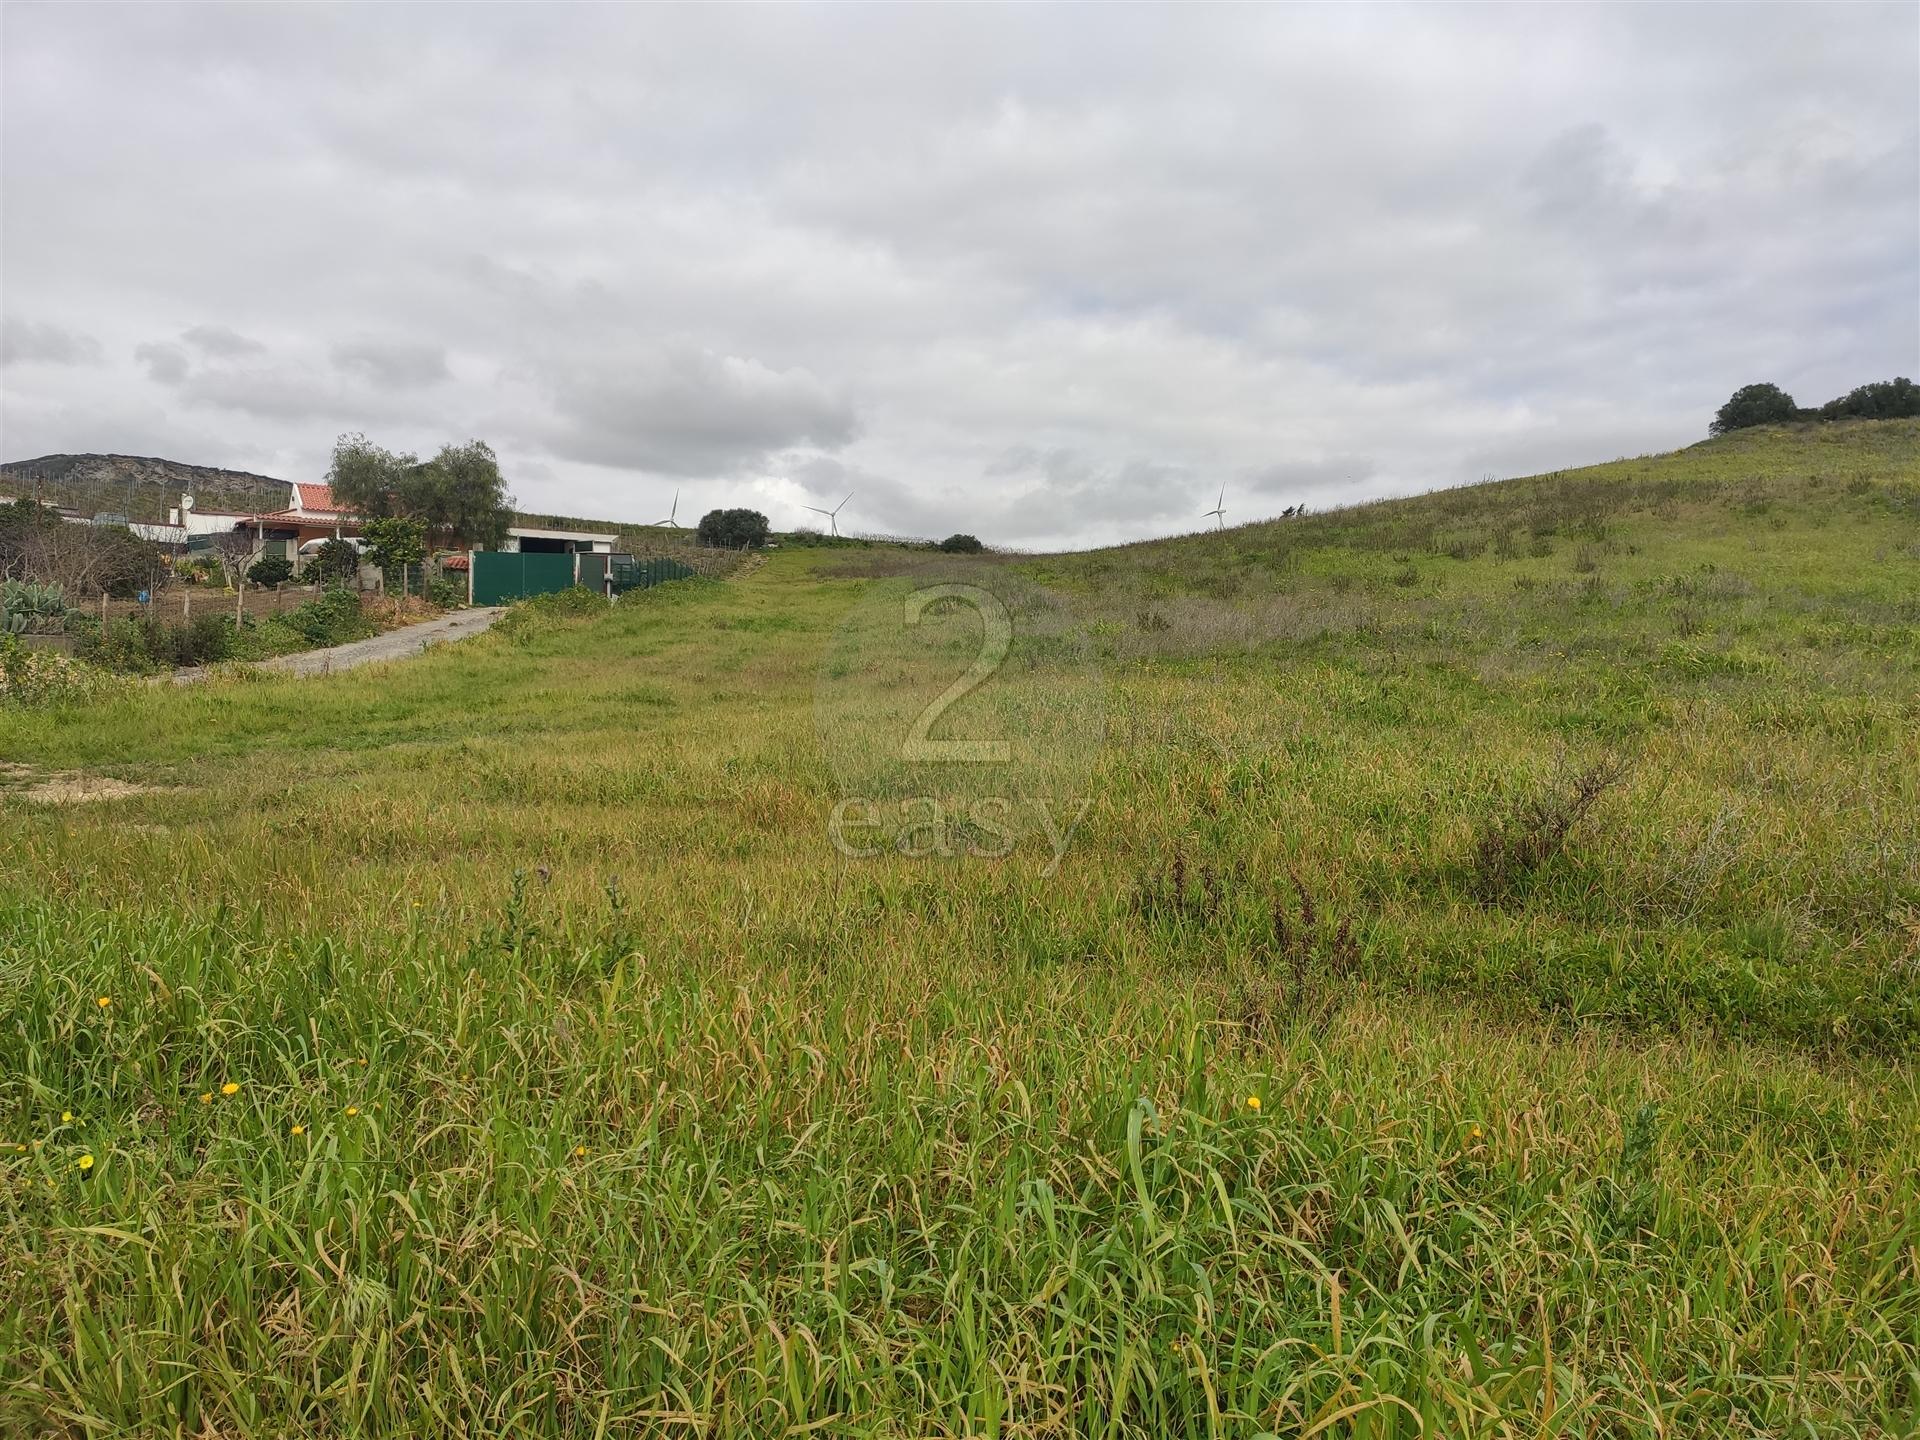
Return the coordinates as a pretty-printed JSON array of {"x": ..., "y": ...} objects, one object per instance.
[{"x": 626, "y": 1105}]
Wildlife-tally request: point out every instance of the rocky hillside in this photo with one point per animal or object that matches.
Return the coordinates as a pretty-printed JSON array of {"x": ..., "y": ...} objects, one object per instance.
[{"x": 140, "y": 487}]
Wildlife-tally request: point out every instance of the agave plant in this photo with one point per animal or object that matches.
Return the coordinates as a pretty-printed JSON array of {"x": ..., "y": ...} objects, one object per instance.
[{"x": 27, "y": 608}]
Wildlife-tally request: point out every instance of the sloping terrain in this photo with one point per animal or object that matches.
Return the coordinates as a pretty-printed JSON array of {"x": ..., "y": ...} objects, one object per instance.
[{"x": 1479, "y": 996}]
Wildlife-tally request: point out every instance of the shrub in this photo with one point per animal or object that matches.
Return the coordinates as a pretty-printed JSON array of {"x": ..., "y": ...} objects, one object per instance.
[
  {"x": 544, "y": 612},
  {"x": 271, "y": 570},
  {"x": 119, "y": 646},
  {"x": 331, "y": 619},
  {"x": 1521, "y": 837},
  {"x": 334, "y": 560},
  {"x": 143, "y": 645},
  {"x": 37, "y": 679},
  {"x": 448, "y": 594},
  {"x": 201, "y": 570},
  {"x": 733, "y": 529},
  {"x": 961, "y": 545}
]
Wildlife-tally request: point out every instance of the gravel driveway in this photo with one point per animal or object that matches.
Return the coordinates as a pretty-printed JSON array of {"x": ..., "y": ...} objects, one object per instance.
[{"x": 394, "y": 645}]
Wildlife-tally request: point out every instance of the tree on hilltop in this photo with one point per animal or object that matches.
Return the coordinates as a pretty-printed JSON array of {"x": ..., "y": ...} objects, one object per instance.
[
  {"x": 733, "y": 529},
  {"x": 1762, "y": 404}
]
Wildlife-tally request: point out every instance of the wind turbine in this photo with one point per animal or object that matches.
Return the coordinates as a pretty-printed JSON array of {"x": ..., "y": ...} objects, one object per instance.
[
  {"x": 833, "y": 515},
  {"x": 1219, "y": 511},
  {"x": 672, "y": 521}
]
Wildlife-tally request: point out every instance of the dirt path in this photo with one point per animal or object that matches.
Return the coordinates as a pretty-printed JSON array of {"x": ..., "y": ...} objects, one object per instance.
[{"x": 394, "y": 645}]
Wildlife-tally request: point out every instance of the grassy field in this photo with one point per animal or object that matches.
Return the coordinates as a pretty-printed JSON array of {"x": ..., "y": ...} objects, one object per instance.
[{"x": 1480, "y": 999}]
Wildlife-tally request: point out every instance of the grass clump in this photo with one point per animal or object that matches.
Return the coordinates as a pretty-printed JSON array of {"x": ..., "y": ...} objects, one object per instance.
[{"x": 1527, "y": 832}]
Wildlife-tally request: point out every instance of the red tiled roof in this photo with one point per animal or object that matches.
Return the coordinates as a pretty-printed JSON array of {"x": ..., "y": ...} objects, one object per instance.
[
  {"x": 292, "y": 517},
  {"x": 316, "y": 497}
]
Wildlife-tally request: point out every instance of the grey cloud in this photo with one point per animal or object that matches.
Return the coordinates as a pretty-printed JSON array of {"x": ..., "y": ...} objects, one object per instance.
[
  {"x": 26, "y": 342},
  {"x": 402, "y": 364},
  {"x": 166, "y": 363},
  {"x": 1291, "y": 480},
  {"x": 682, "y": 411},
  {"x": 218, "y": 340}
]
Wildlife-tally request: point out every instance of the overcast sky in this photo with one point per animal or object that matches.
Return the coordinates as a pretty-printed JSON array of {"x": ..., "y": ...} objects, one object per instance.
[{"x": 1049, "y": 275}]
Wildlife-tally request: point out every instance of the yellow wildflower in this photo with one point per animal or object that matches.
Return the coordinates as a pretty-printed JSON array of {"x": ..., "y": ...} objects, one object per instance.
[
  {"x": 104, "y": 1001},
  {"x": 206, "y": 1097},
  {"x": 579, "y": 1149},
  {"x": 299, "y": 1129},
  {"x": 66, "y": 1117},
  {"x": 353, "y": 1109},
  {"x": 85, "y": 1162},
  {"x": 232, "y": 1087},
  {"x": 1253, "y": 1102}
]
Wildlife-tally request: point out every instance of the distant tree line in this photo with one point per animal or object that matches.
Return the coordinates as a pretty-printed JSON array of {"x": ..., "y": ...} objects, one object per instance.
[{"x": 1766, "y": 404}]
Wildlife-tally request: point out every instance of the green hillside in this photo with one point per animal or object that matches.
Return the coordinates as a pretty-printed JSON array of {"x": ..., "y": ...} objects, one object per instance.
[{"x": 1480, "y": 995}]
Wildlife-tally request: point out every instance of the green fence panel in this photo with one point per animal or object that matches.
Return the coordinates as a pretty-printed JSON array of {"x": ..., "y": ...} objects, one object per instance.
[
  {"x": 629, "y": 573},
  {"x": 503, "y": 576}
]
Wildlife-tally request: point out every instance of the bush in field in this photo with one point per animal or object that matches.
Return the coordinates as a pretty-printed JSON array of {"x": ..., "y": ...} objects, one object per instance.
[
  {"x": 39, "y": 679},
  {"x": 1762, "y": 404},
  {"x": 146, "y": 645},
  {"x": 548, "y": 612},
  {"x": 271, "y": 570},
  {"x": 332, "y": 619},
  {"x": 961, "y": 545},
  {"x": 733, "y": 529}
]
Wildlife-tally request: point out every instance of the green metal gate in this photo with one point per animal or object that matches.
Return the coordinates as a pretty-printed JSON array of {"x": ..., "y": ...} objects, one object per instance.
[{"x": 501, "y": 576}]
